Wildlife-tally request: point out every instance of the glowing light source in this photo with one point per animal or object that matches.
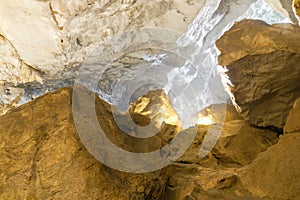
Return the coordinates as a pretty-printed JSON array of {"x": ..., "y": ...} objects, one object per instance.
[
  {"x": 158, "y": 106},
  {"x": 205, "y": 120}
]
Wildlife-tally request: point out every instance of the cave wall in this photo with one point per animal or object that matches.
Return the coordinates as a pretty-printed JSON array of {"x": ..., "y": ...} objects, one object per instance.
[
  {"x": 263, "y": 63},
  {"x": 41, "y": 40}
]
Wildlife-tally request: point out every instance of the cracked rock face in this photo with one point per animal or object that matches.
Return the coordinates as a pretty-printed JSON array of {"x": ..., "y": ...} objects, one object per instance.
[
  {"x": 53, "y": 34},
  {"x": 41, "y": 157},
  {"x": 51, "y": 38},
  {"x": 263, "y": 63},
  {"x": 42, "y": 42},
  {"x": 277, "y": 168}
]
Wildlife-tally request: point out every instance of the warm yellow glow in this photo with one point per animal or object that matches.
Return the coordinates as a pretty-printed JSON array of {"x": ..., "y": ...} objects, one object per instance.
[
  {"x": 207, "y": 120},
  {"x": 142, "y": 105},
  {"x": 165, "y": 114},
  {"x": 158, "y": 106}
]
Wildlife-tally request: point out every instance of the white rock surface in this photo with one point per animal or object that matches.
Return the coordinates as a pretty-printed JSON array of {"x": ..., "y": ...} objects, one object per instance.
[
  {"x": 42, "y": 39},
  {"x": 29, "y": 26},
  {"x": 50, "y": 38},
  {"x": 285, "y": 8},
  {"x": 13, "y": 69}
]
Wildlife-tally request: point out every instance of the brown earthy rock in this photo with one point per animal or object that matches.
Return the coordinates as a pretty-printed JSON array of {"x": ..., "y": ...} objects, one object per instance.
[
  {"x": 215, "y": 177},
  {"x": 293, "y": 120},
  {"x": 41, "y": 157},
  {"x": 297, "y": 7},
  {"x": 194, "y": 182},
  {"x": 240, "y": 143},
  {"x": 275, "y": 174},
  {"x": 157, "y": 106},
  {"x": 263, "y": 63}
]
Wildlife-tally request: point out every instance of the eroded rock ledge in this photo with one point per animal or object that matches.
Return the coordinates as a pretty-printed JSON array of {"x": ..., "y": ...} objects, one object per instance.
[
  {"x": 41, "y": 157},
  {"x": 263, "y": 63},
  {"x": 41, "y": 42}
]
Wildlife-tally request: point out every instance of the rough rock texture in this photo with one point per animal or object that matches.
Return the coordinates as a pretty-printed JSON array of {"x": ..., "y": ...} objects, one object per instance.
[
  {"x": 275, "y": 173},
  {"x": 157, "y": 106},
  {"x": 279, "y": 164},
  {"x": 297, "y": 7},
  {"x": 272, "y": 174},
  {"x": 42, "y": 41},
  {"x": 53, "y": 34},
  {"x": 240, "y": 143},
  {"x": 13, "y": 71},
  {"x": 42, "y": 158},
  {"x": 51, "y": 38},
  {"x": 285, "y": 8},
  {"x": 293, "y": 121},
  {"x": 32, "y": 32},
  {"x": 237, "y": 146},
  {"x": 263, "y": 63}
]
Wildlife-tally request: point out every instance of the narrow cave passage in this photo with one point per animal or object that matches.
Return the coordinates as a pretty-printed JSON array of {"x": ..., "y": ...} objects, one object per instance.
[{"x": 138, "y": 99}]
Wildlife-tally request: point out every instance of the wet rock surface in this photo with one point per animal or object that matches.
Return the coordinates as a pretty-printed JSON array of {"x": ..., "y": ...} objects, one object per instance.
[{"x": 263, "y": 64}]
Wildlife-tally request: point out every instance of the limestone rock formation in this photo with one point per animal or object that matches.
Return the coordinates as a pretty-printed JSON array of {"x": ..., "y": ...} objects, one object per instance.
[
  {"x": 52, "y": 34},
  {"x": 42, "y": 157},
  {"x": 271, "y": 174},
  {"x": 43, "y": 41},
  {"x": 263, "y": 63},
  {"x": 297, "y": 7},
  {"x": 286, "y": 8},
  {"x": 293, "y": 121},
  {"x": 55, "y": 36},
  {"x": 13, "y": 71},
  {"x": 275, "y": 173},
  {"x": 157, "y": 106},
  {"x": 42, "y": 154}
]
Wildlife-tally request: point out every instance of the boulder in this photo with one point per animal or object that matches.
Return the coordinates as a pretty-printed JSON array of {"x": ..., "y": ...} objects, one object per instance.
[
  {"x": 238, "y": 145},
  {"x": 293, "y": 121},
  {"x": 275, "y": 174},
  {"x": 41, "y": 156},
  {"x": 272, "y": 173},
  {"x": 263, "y": 63}
]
